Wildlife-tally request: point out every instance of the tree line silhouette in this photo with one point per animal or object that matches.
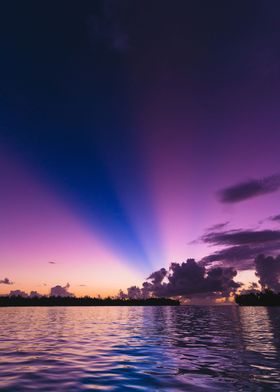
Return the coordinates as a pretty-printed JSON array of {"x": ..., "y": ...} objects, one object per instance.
[
  {"x": 258, "y": 298},
  {"x": 84, "y": 301}
]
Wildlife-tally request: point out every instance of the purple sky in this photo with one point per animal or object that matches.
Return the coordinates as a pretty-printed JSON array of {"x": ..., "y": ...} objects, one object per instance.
[{"x": 130, "y": 134}]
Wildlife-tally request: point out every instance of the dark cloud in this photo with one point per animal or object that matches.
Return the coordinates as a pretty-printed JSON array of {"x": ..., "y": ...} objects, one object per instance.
[
  {"x": 158, "y": 276},
  {"x": 241, "y": 247},
  {"x": 268, "y": 271},
  {"x": 241, "y": 237},
  {"x": 240, "y": 256},
  {"x": 59, "y": 291},
  {"x": 189, "y": 279},
  {"x": 248, "y": 189},
  {"x": 6, "y": 281},
  {"x": 52, "y": 262},
  {"x": 147, "y": 288},
  {"x": 275, "y": 218}
]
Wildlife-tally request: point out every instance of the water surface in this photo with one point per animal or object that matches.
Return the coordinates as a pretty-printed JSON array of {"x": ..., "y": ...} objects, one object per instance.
[{"x": 140, "y": 349}]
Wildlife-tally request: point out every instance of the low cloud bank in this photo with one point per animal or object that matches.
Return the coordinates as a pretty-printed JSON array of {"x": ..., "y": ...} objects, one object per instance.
[
  {"x": 18, "y": 293},
  {"x": 56, "y": 291},
  {"x": 192, "y": 280},
  {"x": 188, "y": 279},
  {"x": 35, "y": 294}
]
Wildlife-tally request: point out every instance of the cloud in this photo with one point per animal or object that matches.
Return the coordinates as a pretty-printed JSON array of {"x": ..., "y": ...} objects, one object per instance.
[
  {"x": 241, "y": 247},
  {"x": 217, "y": 226},
  {"x": 18, "y": 293},
  {"x": 240, "y": 256},
  {"x": 268, "y": 271},
  {"x": 35, "y": 294},
  {"x": 241, "y": 237},
  {"x": 6, "y": 281},
  {"x": 147, "y": 288},
  {"x": 189, "y": 279},
  {"x": 122, "y": 295},
  {"x": 249, "y": 189},
  {"x": 275, "y": 218},
  {"x": 158, "y": 276},
  {"x": 134, "y": 292},
  {"x": 59, "y": 291},
  {"x": 52, "y": 262}
]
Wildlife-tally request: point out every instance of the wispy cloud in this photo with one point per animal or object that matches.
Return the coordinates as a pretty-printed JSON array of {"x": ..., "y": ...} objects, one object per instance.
[
  {"x": 249, "y": 189},
  {"x": 241, "y": 237},
  {"x": 6, "y": 281},
  {"x": 218, "y": 226}
]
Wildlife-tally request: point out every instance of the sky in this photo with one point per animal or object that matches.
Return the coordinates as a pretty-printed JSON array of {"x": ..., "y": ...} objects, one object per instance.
[{"x": 134, "y": 135}]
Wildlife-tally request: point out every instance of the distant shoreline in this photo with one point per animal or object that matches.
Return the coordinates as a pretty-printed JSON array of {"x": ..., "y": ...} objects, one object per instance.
[
  {"x": 16, "y": 301},
  {"x": 258, "y": 298}
]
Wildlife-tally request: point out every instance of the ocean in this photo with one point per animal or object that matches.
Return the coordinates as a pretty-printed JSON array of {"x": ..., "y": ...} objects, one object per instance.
[{"x": 184, "y": 348}]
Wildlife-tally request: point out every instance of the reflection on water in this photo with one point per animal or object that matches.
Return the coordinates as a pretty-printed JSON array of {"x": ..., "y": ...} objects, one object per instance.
[
  {"x": 257, "y": 331},
  {"x": 260, "y": 330},
  {"x": 140, "y": 349}
]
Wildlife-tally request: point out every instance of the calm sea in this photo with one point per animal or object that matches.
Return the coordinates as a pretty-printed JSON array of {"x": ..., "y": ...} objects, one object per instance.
[{"x": 140, "y": 349}]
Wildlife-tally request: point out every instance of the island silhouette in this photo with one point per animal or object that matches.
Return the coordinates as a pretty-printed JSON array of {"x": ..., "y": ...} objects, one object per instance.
[
  {"x": 84, "y": 301},
  {"x": 258, "y": 298}
]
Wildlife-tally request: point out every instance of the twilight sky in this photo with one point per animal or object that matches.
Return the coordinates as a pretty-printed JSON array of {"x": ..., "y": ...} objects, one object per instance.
[{"x": 136, "y": 134}]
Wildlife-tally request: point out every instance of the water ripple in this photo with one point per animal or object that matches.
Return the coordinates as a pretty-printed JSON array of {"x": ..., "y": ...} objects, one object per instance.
[{"x": 140, "y": 349}]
